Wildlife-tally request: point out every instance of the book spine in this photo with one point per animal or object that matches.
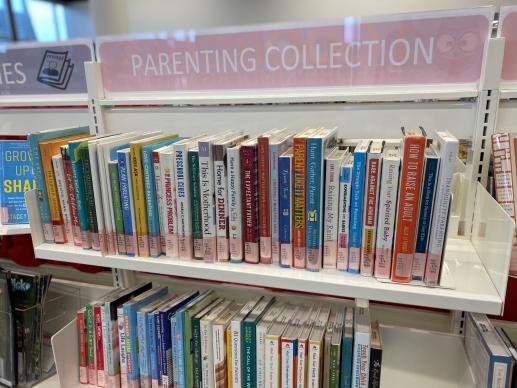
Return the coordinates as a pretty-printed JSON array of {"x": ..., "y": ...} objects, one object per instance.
[
  {"x": 117, "y": 207},
  {"x": 235, "y": 205},
  {"x": 183, "y": 195},
  {"x": 272, "y": 358},
  {"x": 288, "y": 363},
  {"x": 90, "y": 199},
  {"x": 90, "y": 335},
  {"x": 250, "y": 203},
  {"x": 83, "y": 347},
  {"x": 314, "y": 208},
  {"x": 106, "y": 338},
  {"x": 69, "y": 178},
  {"x": 274, "y": 153},
  {"x": 160, "y": 199},
  {"x": 165, "y": 345},
  {"x": 361, "y": 360},
  {"x": 37, "y": 169},
  {"x": 180, "y": 361},
  {"x": 346, "y": 362},
  {"x": 387, "y": 213},
  {"x": 356, "y": 212},
  {"x": 375, "y": 368},
  {"x": 236, "y": 354},
  {"x": 370, "y": 214},
  {"x": 56, "y": 218},
  {"x": 264, "y": 202},
  {"x": 170, "y": 215},
  {"x": 229, "y": 360},
  {"x": 143, "y": 350},
  {"x": 261, "y": 331},
  {"x": 301, "y": 364},
  {"x": 424, "y": 217},
  {"x": 99, "y": 352},
  {"x": 154, "y": 356},
  {"x": 122, "y": 335},
  {"x": 448, "y": 153},
  {"x": 113, "y": 349},
  {"x": 133, "y": 374},
  {"x": 314, "y": 364},
  {"x": 330, "y": 232},
  {"x": 140, "y": 210},
  {"x": 207, "y": 370},
  {"x": 285, "y": 164},
  {"x": 104, "y": 191},
  {"x": 299, "y": 188},
  {"x": 97, "y": 199},
  {"x": 126, "y": 196},
  {"x": 221, "y": 200},
  {"x": 57, "y": 162},
  {"x": 249, "y": 352},
  {"x": 208, "y": 211},
  {"x": 150, "y": 196},
  {"x": 196, "y": 353},
  {"x": 334, "y": 366},
  {"x": 345, "y": 188},
  {"x": 82, "y": 208},
  {"x": 219, "y": 349},
  {"x": 195, "y": 204},
  {"x": 407, "y": 212}
]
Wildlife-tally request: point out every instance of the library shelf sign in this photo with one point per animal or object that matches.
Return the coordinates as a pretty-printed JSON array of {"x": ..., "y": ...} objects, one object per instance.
[
  {"x": 443, "y": 47},
  {"x": 44, "y": 68},
  {"x": 508, "y": 30}
]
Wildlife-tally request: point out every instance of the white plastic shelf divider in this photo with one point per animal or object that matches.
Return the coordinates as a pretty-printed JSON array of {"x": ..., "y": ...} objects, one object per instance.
[{"x": 9, "y": 230}]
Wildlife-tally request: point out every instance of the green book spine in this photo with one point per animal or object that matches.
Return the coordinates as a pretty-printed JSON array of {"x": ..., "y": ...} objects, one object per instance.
[
  {"x": 335, "y": 351},
  {"x": 249, "y": 355},
  {"x": 90, "y": 336},
  {"x": 117, "y": 207},
  {"x": 90, "y": 199},
  {"x": 196, "y": 353},
  {"x": 195, "y": 200},
  {"x": 346, "y": 362}
]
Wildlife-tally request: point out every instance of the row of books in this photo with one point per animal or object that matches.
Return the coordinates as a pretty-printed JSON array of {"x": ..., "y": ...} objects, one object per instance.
[
  {"x": 145, "y": 336},
  {"x": 292, "y": 199}
]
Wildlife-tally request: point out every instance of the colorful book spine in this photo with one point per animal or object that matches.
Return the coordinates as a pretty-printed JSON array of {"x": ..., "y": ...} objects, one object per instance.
[
  {"x": 90, "y": 335},
  {"x": 299, "y": 208},
  {"x": 288, "y": 361},
  {"x": 169, "y": 210},
  {"x": 160, "y": 199},
  {"x": 313, "y": 208},
  {"x": 235, "y": 205},
  {"x": 373, "y": 174},
  {"x": 90, "y": 198},
  {"x": 361, "y": 354},
  {"x": 221, "y": 202},
  {"x": 184, "y": 197},
  {"x": 387, "y": 212},
  {"x": 143, "y": 349},
  {"x": 264, "y": 199},
  {"x": 347, "y": 349},
  {"x": 195, "y": 203},
  {"x": 59, "y": 172},
  {"x": 447, "y": 150},
  {"x": 154, "y": 351},
  {"x": 431, "y": 165},
  {"x": 375, "y": 357},
  {"x": 83, "y": 347},
  {"x": 165, "y": 345},
  {"x": 126, "y": 197},
  {"x": 69, "y": 177},
  {"x": 409, "y": 197},
  {"x": 208, "y": 209},
  {"x": 117, "y": 207},
  {"x": 99, "y": 352},
  {"x": 122, "y": 337},
  {"x": 345, "y": 188},
  {"x": 356, "y": 207},
  {"x": 250, "y": 202},
  {"x": 285, "y": 172}
]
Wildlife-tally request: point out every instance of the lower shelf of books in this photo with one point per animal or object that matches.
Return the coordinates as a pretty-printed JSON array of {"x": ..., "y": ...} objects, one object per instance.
[{"x": 9, "y": 230}]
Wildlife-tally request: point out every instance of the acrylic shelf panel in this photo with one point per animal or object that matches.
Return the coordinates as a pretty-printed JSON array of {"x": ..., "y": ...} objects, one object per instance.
[{"x": 9, "y": 230}]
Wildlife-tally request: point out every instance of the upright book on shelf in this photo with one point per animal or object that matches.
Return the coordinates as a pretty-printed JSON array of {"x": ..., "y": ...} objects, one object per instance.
[
  {"x": 345, "y": 189},
  {"x": 347, "y": 349},
  {"x": 236, "y": 239},
  {"x": 195, "y": 203},
  {"x": 285, "y": 211},
  {"x": 362, "y": 345},
  {"x": 303, "y": 348},
  {"x": 126, "y": 199},
  {"x": 375, "y": 357},
  {"x": 59, "y": 172},
  {"x": 72, "y": 200},
  {"x": 316, "y": 349}
]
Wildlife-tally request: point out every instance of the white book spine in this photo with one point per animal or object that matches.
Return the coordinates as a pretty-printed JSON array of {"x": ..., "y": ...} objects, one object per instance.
[
  {"x": 221, "y": 200},
  {"x": 185, "y": 243},
  {"x": 236, "y": 354},
  {"x": 97, "y": 196},
  {"x": 107, "y": 200},
  {"x": 235, "y": 204},
  {"x": 330, "y": 227},
  {"x": 169, "y": 212},
  {"x": 219, "y": 345},
  {"x": 206, "y": 187},
  {"x": 361, "y": 360},
  {"x": 272, "y": 362},
  {"x": 448, "y": 150},
  {"x": 301, "y": 365},
  {"x": 386, "y": 219},
  {"x": 207, "y": 354},
  {"x": 159, "y": 198},
  {"x": 287, "y": 367},
  {"x": 345, "y": 188},
  {"x": 57, "y": 163},
  {"x": 313, "y": 373},
  {"x": 122, "y": 347},
  {"x": 261, "y": 332}
]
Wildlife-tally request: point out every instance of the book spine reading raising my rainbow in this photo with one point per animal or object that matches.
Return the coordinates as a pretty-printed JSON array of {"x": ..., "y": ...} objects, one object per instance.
[{"x": 250, "y": 202}]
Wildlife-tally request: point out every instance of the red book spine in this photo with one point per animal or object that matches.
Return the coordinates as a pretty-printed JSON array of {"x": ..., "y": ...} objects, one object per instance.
[
  {"x": 407, "y": 212},
  {"x": 81, "y": 328},
  {"x": 264, "y": 200},
  {"x": 97, "y": 320},
  {"x": 250, "y": 203},
  {"x": 299, "y": 172},
  {"x": 70, "y": 188}
]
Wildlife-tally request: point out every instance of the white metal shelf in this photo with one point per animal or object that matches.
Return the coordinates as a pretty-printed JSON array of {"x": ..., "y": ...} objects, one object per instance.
[
  {"x": 473, "y": 290},
  {"x": 508, "y": 93},
  {"x": 9, "y": 230}
]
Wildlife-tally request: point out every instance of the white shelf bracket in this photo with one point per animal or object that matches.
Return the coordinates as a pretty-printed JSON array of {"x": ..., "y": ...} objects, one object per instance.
[{"x": 95, "y": 95}]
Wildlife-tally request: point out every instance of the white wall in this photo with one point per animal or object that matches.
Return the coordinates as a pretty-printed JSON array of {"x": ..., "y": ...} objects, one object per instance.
[{"x": 135, "y": 16}]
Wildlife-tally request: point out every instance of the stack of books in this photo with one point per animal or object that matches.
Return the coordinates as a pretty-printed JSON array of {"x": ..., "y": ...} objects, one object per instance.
[
  {"x": 145, "y": 336},
  {"x": 282, "y": 198}
]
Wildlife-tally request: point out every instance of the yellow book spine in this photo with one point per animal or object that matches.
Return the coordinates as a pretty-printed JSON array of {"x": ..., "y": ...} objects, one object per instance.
[{"x": 229, "y": 357}]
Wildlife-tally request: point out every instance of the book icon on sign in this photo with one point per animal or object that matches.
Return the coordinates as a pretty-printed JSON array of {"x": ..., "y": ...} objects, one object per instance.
[{"x": 55, "y": 69}]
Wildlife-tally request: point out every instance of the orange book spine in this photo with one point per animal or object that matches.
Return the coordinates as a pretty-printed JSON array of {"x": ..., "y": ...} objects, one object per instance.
[
  {"x": 299, "y": 176},
  {"x": 408, "y": 204}
]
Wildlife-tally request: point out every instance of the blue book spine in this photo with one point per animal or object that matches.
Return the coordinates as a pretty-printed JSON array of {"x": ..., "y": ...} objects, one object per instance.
[
  {"x": 274, "y": 150},
  {"x": 165, "y": 348},
  {"x": 159, "y": 347},
  {"x": 346, "y": 362},
  {"x": 356, "y": 211},
  {"x": 181, "y": 348},
  {"x": 285, "y": 204},
  {"x": 143, "y": 347},
  {"x": 153, "y": 349},
  {"x": 124, "y": 195},
  {"x": 424, "y": 218},
  {"x": 175, "y": 353},
  {"x": 313, "y": 203}
]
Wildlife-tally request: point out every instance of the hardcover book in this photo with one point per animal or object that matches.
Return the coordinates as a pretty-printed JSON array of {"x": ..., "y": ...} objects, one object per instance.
[
  {"x": 59, "y": 172},
  {"x": 195, "y": 203},
  {"x": 375, "y": 357},
  {"x": 361, "y": 354},
  {"x": 72, "y": 200},
  {"x": 169, "y": 218},
  {"x": 345, "y": 188},
  {"x": 335, "y": 351},
  {"x": 236, "y": 239},
  {"x": 285, "y": 173},
  {"x": 126, "y": 198},
  {"x": 347, "y": 349}
]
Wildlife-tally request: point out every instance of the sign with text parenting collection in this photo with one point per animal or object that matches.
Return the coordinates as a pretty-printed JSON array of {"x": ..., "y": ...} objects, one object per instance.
[
  {"x": 508, "y": 30},
  {"x": 426, "y": 48},
  {"x": 44, "y": 69}
]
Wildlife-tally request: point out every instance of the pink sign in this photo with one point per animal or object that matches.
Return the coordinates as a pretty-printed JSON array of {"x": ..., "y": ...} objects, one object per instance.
[
  {"x": 430, "y": 48},
  {"x": 508, "y": 30}
]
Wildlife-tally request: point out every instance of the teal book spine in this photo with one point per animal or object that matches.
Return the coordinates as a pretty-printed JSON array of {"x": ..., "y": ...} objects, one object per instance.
[
  {"x": 82, "y": 208},
  {"x": 90, "y": 199},
  {"x": 197, "y": 380},
  {"x": 180, "y": 345},
  {"x": 195, "y": 203},
  {"x": 143, "y": 348},
  {"x": 117, "y": 206},
  {"x": 175, "y": 353},
  {"x": 346, "y": 362},
  {"x": 249, "y": 354}
]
